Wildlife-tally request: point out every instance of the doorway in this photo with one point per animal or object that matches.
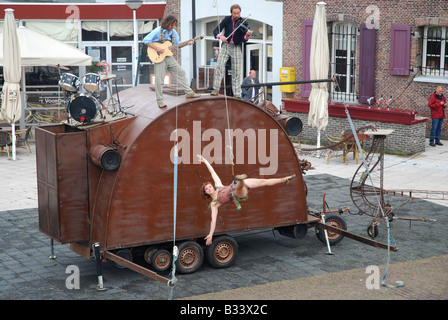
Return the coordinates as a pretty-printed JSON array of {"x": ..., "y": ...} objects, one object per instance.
[{"x": 119, "y": 63}]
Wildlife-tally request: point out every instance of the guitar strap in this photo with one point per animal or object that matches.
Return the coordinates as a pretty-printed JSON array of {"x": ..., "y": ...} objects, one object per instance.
[{"x": 162, "y": 37}]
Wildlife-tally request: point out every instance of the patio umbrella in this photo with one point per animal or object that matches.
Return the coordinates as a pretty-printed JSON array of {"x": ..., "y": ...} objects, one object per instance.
[
  {"x": 40, "y": 50},
  {"x": 11, "y": 103},
  {"x": 319, "y": 67}
]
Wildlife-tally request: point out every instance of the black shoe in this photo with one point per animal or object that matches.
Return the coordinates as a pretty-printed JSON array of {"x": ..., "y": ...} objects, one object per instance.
[
  {"x": 439, "y": 143},
  {"x": 432, "y": 144}
]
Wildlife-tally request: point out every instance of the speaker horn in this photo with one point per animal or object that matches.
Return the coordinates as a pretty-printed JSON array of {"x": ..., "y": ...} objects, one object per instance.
[{"x": 105, "y": 157}]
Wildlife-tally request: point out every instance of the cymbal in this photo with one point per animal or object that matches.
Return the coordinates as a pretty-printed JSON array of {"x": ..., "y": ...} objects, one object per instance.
[
  {"x": 108, "y": 77},
  {"x": 58, "y": 67}
]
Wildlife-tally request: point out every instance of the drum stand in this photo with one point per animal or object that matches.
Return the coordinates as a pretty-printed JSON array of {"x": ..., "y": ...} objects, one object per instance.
[{"x": 113, "y": 104}]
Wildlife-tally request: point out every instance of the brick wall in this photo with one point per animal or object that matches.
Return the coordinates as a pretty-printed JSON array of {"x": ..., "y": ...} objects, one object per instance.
[
  {"x": 414, "y": 13},
  {"x": 408, "y": 139}
]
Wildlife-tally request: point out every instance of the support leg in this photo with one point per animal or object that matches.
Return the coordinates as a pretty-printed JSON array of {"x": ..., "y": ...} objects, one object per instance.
[
  {"x": 99, "y": 272},
  {"x": 52, "y": 255}
]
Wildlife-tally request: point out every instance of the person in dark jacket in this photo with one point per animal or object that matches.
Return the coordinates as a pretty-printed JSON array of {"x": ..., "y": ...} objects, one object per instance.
[
  {"x": 231, "y": 48},
  {"x": 250, "y": 92},
  {"x": 437, "y": 104}
]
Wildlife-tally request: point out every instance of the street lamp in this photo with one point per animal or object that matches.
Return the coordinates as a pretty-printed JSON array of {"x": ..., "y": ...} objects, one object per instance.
[{"x": 134, "y": 5}]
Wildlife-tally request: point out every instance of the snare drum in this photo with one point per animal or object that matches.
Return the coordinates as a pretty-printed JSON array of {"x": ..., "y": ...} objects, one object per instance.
[
  {"x": 91, "y": 82},
  {"x": 69, "y": 82},
  {"x": 84, "y": 108}
]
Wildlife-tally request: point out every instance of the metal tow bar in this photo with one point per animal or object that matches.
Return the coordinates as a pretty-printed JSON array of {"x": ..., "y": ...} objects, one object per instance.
[
  {"x": 357, "y": 237},
  {"x": 135, "y": 267}
]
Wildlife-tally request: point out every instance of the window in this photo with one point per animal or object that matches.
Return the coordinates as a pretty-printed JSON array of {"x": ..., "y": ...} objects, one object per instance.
[
  {"x": 343, "y": 61},
  {"x": 435, "y": 52}
]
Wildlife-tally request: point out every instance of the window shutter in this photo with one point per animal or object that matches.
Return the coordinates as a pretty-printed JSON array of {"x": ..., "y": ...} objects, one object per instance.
[
  {"x": 366, "y": 63},
  {"x": 400, "y": 50},
  {"x": 307, "y": 30}
]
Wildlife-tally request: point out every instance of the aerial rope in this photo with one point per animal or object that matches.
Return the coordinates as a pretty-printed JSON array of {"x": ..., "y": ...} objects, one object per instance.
[
  {"x": 173, "y": 280},
  {"x": 230, "y": 146},
  {"x": 175, "y": 254}
]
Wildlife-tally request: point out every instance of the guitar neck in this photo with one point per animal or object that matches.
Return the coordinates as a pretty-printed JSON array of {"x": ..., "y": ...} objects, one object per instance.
[
  {"x": 183, "y": 44},
  {"x": 179, "y": 45}
]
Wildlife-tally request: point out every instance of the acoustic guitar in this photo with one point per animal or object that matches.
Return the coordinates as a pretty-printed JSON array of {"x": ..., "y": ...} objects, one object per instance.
[{"x": 167, "y": 46}]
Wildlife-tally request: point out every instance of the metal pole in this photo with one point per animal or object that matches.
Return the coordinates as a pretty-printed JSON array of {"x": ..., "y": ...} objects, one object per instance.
[
  {"x": 99, "y": 273},
  {"x": 282, "y": 83},
  {"x": 52, "y": 255},
  {"x": 195, "y": 72},
  {"x": 135, "y": 48}
]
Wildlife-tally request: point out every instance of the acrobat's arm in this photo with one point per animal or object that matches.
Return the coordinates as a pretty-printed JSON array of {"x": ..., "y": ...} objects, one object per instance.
[
  {"x": 215, "y": 177},
  {"x": 209, "y": 237}
]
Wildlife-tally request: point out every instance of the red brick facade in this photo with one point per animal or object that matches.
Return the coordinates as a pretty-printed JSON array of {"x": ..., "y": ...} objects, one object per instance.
[{"x": 413, "y": 13}]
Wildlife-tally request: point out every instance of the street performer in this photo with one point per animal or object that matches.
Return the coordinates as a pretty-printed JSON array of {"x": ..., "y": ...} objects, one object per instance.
[
  {"x": 232, "y": 36},
  {"x": 159, "y": 35},
  {"x": 237, "y": 191}
]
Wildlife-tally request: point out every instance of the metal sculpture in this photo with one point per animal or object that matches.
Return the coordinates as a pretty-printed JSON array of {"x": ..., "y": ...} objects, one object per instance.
[{"x": 367, "y": 187}]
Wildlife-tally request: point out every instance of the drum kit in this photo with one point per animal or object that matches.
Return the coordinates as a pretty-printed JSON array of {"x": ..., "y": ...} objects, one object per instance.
[{"x": 83, "y": 98}]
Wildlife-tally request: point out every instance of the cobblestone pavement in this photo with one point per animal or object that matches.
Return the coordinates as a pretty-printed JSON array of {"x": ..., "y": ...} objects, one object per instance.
[{"x": 269, "y": 266}]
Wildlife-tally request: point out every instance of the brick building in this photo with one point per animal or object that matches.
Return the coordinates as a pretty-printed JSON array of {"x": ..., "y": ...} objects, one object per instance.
[
  {"x": 410, "y": 51},
  {"x": 385, "y": 48},
  {"x": 403, "y": 57}
]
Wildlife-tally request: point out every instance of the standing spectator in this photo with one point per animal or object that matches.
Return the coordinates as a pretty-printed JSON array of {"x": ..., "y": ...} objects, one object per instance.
[
  {"x": 437, "y": 104},
  {"x": 251, "y": 92}
]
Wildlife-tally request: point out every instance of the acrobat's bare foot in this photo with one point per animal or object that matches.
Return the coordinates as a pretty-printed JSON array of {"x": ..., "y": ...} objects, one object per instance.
[
  {"x": 288, "y": 179},
  {"x": 240, "y": 177}
]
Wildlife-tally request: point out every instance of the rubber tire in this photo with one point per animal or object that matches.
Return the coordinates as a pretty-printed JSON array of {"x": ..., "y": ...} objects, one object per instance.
[
  {"x": 222, "y": 253},
  {"x": 375, "y": 231},
  {"x": 155, "y": 263},
  {"x": 125, "y": 254},
  {"x": 190, "y": 257},
  {"x": 336, "y": 220}
]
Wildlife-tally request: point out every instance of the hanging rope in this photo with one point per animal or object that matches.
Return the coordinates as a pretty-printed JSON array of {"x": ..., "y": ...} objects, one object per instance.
[
  {"x": 173, "y": 280},
  {"x": 230, "y": 146},
  {"x": 175, "y": 255}
]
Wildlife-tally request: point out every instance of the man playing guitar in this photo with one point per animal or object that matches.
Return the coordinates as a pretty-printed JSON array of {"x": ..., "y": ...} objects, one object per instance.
[{"x": 155, "y": 40}]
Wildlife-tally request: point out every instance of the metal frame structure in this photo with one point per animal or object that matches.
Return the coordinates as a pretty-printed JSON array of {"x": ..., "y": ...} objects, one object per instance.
[{"x": 367, "y": 187}]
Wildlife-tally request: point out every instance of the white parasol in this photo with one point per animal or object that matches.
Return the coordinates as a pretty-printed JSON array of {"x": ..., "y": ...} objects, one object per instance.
[
  {"x": 35, "y": 50},
  {"x": 319, "y": 68},
  {"x": 11, "y": 102}
]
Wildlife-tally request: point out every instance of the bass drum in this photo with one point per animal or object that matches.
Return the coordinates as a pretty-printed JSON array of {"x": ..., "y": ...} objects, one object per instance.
[{"x": 84, "y": 108}]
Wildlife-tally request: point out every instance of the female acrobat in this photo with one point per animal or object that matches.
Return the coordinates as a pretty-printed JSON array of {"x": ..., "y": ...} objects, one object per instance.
[{"x": 236, "y": 192}]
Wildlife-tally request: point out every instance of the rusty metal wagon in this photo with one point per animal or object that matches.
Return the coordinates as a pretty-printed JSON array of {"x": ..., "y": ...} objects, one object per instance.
[{"x": 106, "y": 187}]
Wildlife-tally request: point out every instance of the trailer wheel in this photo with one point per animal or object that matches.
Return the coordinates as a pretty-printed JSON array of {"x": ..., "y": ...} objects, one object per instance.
[
  {"x": 335, "y": 220},
  {"x": 125, "y": 254},
  {"x": 161, "y": 260},
  {"x": 190, "y": 257},
  {"x": 222, "y": 252}
]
